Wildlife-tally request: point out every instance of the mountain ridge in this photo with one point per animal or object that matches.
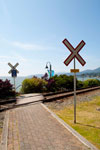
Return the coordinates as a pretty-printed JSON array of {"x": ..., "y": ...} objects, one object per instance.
[{"x": 88, "y": 71}]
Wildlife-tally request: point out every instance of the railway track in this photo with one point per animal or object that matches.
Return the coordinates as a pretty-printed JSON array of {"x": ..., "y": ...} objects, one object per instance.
[
  {"x": 59, "y": 95},
  {"x": 48, "y": 97}
]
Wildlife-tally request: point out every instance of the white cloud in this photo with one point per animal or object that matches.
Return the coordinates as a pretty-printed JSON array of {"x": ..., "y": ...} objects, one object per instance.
[
  {"x": 20, "y": 58},
  {"x": 16, "y": 58},
  {"x": 27, "y": 46},
  {"x": 4, "y": 57}
]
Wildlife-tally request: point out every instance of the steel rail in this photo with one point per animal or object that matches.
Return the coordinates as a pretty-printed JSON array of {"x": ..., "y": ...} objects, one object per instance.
[{"x": 60, "y": 95}]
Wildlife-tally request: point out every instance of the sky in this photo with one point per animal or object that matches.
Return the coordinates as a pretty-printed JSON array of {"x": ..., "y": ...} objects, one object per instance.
[{"x": 32, "y": 31}]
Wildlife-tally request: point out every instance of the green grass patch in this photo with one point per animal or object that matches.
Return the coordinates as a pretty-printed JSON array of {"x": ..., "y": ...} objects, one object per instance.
[{"x": 88, "y": 119}]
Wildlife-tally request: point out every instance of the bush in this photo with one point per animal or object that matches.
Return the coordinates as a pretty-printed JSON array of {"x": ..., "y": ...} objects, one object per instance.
[
  {"x": 56, "y": 83},
  {"x": 91, "y": 83},
  {"x": 6, "y": 89},
  {"x": 33, "y": 85},
  {"x": 60, "y": 83},
  {"x": 51, "y": 85},
  {"x": 63, "y": 82},
  {"x": 79, "y": 84}
]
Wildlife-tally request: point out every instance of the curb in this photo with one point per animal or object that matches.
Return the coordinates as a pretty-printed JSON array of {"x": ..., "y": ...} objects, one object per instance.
[
  {"x": 70, "y": 129},
  {"x": 3, "y": 145}
]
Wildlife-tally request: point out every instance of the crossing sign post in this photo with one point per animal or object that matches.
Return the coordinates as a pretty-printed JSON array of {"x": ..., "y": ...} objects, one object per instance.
[
  {"x": 13, "y": 72},
  {"x": 74, "y": 54}
]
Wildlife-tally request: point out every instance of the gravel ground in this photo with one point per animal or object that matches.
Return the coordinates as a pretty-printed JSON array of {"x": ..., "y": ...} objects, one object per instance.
[{"x": 60, "y": 104}]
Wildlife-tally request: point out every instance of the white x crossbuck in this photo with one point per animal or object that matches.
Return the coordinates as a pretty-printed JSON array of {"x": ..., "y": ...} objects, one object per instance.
[
  {"x": 13, "y": 67},
  {"x": 74, "y": 52}
]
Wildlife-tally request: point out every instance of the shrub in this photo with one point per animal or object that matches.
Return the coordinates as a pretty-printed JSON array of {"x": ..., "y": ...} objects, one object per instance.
[
  {"x": 91, "y": 83},
  {"x": 94, "y": 82},
  {"x": 6, "y": 89},
  {"x": 63, "y": 82},
  {"x": 58, "y": 83},
  {"x": 33, "y": 85},
  {"x": 79, "y": 84},
  {"x": 51, "y": 87}
]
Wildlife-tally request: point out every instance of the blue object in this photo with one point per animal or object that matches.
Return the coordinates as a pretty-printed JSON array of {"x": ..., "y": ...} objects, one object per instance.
[
  {"x": 14, "y": 73},
  {"x": 52, "y": 73}
]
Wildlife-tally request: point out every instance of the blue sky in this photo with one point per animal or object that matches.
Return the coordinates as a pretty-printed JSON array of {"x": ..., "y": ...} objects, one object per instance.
[{"x": 32, "y": 31}]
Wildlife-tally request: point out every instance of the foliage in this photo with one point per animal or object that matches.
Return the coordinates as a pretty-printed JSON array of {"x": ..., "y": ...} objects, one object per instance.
[
  {"x": 79, "y": 84},
  {"x": 54, "y": 84},
  {"x": 91, "y": 83},
  {"x": 58, "y": 83},
  {"x": 6, "y": 89},
  {"x": 63, "y": 82},
  {"x": 33, "y": 85},
  {"x": 51, "y": 87}
]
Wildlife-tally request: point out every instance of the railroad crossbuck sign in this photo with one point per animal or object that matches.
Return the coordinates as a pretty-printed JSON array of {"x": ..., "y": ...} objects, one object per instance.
[
  {"x": 13, "y": 70},
  {"x": 74, "y": 52}
]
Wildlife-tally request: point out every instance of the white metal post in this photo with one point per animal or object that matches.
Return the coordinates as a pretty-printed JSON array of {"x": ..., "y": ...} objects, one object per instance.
[
  {"x": 74, "y": 93},
  {"x": 50, "y": 71},
  {"x": 14, "y": 84}
]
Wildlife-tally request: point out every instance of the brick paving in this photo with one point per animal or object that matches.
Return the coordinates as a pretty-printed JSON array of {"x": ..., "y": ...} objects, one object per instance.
[{"x": 33, "y": 128}]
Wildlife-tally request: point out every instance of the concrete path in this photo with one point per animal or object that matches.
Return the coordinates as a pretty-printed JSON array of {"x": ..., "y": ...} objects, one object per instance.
[
  {"x": 28, "y": 98},
  {"x": 32, "y": 127}
]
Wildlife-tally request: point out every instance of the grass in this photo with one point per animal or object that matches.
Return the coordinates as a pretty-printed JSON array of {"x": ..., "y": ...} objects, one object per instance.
[{"x": 88, "y": 119}]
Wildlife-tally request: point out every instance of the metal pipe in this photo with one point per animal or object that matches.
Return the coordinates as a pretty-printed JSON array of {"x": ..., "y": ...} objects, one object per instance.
[
  {"x": 14, "y": 85},
  {"x": 74, "y": 92}
]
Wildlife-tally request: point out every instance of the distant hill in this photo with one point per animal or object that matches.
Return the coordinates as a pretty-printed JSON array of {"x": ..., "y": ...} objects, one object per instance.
[
  {"x": 37, "y": 75},
  {"x": 97, "y": 70},
  {"x": 94, "y": 71}
]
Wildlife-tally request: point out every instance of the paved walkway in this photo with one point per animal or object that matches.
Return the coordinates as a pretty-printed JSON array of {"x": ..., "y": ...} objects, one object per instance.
[
  {"x": 31, "y": 127},
  {"x": 28, "y": 98}
]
